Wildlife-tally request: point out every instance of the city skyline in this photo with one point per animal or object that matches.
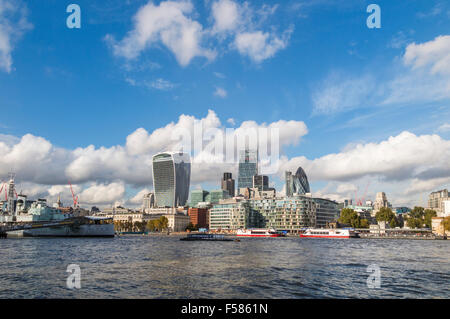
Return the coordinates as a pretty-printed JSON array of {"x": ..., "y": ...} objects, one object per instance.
[{"x": 93, "y": 106}]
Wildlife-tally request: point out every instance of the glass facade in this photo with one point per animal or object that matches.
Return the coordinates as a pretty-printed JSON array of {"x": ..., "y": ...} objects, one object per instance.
[
  {"x": 248, "y": 167},
  {"x": 261, "y": 182},
  {"x": 171, "y": 179},
  {"x": 297, "y": 184},
  {"x": 198, "y": 196},
  {"x": 217, "y": 195}
]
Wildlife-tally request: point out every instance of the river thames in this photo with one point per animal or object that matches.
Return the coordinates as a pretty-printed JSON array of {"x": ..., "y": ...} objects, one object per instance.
[{"x": 165, "y": 267}]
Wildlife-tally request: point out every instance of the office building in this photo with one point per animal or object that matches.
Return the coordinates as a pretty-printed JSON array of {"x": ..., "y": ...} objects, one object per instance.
[
  {"x": 215, "y": 196},
  {"x": 198, "y": 196},
  {"x": 297, "y": 184},
  {"x": 199, "y": 217},
  {"x": 228, "y": 184},
  {"x": 171, "y": 178},
  {"x": 261, "y": 182},
  {"x": 436, "y": 201},
  {"x": 248, "y": 167},
  {"x": 233, "y": 214},
  {"x": 148, "y": 201},
  {"x": 326, "y": 211}
]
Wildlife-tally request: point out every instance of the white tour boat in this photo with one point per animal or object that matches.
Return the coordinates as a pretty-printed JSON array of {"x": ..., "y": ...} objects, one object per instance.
[
  {"x": 329, "y": 233},
  {"x": 256, "y": 232}
]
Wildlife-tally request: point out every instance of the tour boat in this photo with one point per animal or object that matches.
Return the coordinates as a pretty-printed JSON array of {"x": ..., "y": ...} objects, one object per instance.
[
  {"x": 258, "y": 233},
  {"x": 329, "y": 233}
]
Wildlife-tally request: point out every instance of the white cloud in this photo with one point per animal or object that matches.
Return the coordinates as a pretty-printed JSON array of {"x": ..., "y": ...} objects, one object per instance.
[
  {"x": 161, "y": 84},
  {"x": 220, "y": 92},
  {"x": 99, "y": 175},
  {"x": 444, "y": 127},
  {"x": 168, "y": 23},
  {"x": 338, "y": 94},
  {"x": 423, "y": 78},
  {"x": 172, "y": 23},
  {"x": 13, "y": 23},
  {"x": 259, "y": 45},
  {"x": 138, "y": 198},
  {"x": 227, "y": 15},
  {"x": 231, "y": 121},
  {"x": 399, "y": 158},
  {"x": 434, "y": 54},
  {"x": 102, "y": 193}
]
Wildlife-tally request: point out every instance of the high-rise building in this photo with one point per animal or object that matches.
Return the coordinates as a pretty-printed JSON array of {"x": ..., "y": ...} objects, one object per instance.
[
  {"x": 171, "y": 178},
  {"x": 261, "y": 182},
  {"x": 148, "y": 201},
  {"x": 297, "y": 184},
  {"x": 198, "y": 196},
  {"x": 248, "y": 167},
  {"x": 228, "y": 183},
  {"x": 436, "y": 201}
]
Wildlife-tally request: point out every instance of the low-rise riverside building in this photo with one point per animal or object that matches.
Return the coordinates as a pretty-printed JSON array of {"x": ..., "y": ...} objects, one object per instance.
[
  {"x": 289, "y": 214},
  {"x": 177, "y": 218},
  {"x": 233, "y": 214}
]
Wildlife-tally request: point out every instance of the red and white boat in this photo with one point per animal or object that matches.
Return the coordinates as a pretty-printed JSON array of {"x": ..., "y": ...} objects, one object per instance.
[
  {"x": 329, "y": 233},
  {"x": 256, "y": 232}
]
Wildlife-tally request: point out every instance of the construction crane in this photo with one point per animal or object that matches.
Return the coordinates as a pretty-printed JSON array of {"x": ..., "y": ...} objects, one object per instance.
[
  {"x": 3, "y": 185},
  {"x": 360, "y": 201},
  {"x": 75, "y": 198},
  {"x": 365, "y": 193}
]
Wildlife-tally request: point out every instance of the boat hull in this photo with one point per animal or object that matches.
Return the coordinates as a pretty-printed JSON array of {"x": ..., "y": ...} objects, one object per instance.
[
  {"x": 254, "y": 235},
  {"x": 104, "y": 230},
  {"x": 324, "y": 236}
]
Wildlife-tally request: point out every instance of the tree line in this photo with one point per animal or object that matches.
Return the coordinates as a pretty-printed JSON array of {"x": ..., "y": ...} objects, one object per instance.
[
  {"x": 154, "y": 225},
  {"x": 419, "y": 217}
]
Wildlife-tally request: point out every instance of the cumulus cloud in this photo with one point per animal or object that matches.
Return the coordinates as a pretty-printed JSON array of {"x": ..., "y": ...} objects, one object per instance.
[
  {"x": 244, "y": 24},
  {"x": 102, "y": 193},
  {"x": 171, "y": 24},
  {"x": 174, "y": 25},
  {"x": 433, "y": 54},
  {"x": 399, "y": 158},
  {"x": 13, "y": 24},
  {"x": 227, "y": 15},
  {"x": 100, "y": 174}
]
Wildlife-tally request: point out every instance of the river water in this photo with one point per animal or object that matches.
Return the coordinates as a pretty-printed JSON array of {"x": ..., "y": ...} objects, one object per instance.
[{"x": 165, "y": 267}]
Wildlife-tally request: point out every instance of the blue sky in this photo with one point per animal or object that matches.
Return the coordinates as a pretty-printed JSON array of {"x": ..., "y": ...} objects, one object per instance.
[{"x": 324, "y": 67}]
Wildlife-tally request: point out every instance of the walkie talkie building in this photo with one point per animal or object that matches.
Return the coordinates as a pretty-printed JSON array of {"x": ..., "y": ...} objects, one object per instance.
[{"x": 171, "y": 178}]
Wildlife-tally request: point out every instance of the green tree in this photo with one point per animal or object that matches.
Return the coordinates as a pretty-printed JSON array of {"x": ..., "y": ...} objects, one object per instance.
[
  {"x": 393, "y": 223},
  {"x": 428, "y": 214},
  {"x": 385, "y": 214},
  {"x": 151, "y": 226},
  {"x": 414, "y": 222},
  {"x": 163, "y": 223},
  {"x": 364, "y": 223},
  {"x": 417, "y": 212},
  {"x": 350, "y": 217}
]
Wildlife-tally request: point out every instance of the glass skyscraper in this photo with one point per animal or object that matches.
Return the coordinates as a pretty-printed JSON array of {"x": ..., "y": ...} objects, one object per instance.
[
  {"x": 171, "y": 178},
  {"x": 248, "y": 167},
  {"x": 297, "y": 184}
]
